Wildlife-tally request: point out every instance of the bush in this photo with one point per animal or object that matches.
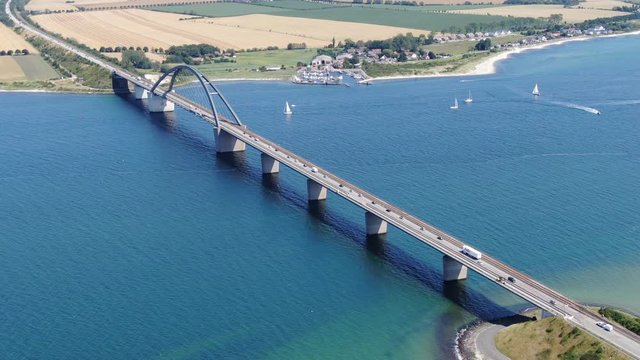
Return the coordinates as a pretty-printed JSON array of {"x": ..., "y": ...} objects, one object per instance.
[
  {"x": 135, "y": 58},
  {"x": 629, "y": 322}
]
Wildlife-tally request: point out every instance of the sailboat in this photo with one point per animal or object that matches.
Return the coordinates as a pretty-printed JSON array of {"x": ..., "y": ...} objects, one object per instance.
[
  {"x": 535, "y": 91},
  {"x": 455, "y": 104},
  {"x": 287, "y": 109},
  {"x": 469, "y": 99}
]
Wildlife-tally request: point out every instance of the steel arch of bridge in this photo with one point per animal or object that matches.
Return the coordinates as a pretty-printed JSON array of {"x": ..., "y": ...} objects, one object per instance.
[{"x": 208, "y": 87}]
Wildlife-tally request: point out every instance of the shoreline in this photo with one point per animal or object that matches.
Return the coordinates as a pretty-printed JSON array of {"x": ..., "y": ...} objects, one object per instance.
[
  {"x": 466, "y": 341},
  {"x": 467, "y": 337},
  {"x": 488, "y": 66}
]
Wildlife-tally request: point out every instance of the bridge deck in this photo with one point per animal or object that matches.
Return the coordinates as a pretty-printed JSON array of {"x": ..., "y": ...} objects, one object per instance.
[{"x": 489, "y": 267}]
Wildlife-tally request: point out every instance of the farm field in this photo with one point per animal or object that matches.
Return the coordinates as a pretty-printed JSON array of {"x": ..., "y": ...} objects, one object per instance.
[
  {"x": 53, "y": 5},
  {"x": 25, "y": 67},
  {"x": 280, "y": 6},
  {"x": 155, "y": 29},
  {"x": 428, "y": 21},
  {"x": 9, "y": 40},
  {"x": 602, "y": 4},
  {"x": 570, "y": 15},
  {"x": 219, "y": 10},
  {"x": 446, "y": 2},
  {"x": 10, "y": 70},
  {"x": 35, "y": 68}
]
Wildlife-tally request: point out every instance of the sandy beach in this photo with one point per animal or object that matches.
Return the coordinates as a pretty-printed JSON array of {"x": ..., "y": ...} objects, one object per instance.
[
  {"x": 476, "y": 341},
  {"x": 488, "y": 65}
]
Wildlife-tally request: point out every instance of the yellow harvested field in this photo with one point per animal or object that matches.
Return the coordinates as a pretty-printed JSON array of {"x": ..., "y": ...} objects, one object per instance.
[
  {"x": 156, "y": 29},
  {"x": 53, "y": 5},
  {"x": 602, "y": 4},
  {"x": 41, "y": 5},
  {"x": 569, "y": 15},
  {"x": 9, "y": 40},
  {"x": 10, "y": 70}
]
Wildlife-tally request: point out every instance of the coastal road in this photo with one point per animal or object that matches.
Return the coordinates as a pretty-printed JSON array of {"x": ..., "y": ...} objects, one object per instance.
[{"x": 523, "y": 285}]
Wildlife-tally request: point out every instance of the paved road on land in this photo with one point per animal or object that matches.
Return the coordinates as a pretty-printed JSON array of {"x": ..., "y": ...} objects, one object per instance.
[{"x": 524, "y": 286}]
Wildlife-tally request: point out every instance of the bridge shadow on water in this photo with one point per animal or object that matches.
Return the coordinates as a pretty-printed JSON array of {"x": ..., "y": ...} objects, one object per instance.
[{"x": 380, "y": 250}]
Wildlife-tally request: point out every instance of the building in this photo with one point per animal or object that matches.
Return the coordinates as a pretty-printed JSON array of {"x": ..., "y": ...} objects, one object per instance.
[{"x": 321, "y": 60}]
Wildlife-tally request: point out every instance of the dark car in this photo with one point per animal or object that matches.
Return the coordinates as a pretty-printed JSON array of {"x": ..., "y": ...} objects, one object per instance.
[{"x": 512, "y": 279}]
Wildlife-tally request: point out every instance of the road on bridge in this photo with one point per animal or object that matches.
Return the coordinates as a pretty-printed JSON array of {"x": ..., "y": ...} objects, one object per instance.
[{"x": 524, "y": 286}]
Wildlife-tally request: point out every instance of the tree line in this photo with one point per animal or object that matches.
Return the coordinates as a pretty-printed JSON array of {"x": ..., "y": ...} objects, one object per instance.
[
  {"x": 14, "y": 52},
  {"x": 544, "y": 2}
]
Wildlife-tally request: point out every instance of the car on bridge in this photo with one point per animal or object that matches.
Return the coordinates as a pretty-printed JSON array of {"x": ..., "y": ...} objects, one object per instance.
[
  {"x": 604, "y": 325},
  {"x": 511, "y": 279}
]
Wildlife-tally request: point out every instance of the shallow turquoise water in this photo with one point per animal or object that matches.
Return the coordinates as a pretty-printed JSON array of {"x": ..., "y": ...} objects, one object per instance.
[{"x": 125, "y": 236}]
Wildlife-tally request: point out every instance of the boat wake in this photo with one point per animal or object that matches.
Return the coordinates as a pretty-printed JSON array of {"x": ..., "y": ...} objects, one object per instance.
[
  {"x": 621, "y": 102},
  {"x": 579, "y": 107}
]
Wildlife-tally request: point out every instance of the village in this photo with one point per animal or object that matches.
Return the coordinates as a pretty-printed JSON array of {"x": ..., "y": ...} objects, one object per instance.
[{"x": 319, "y": 70}]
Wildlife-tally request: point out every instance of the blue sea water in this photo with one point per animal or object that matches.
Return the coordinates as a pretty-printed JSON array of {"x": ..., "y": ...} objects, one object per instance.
[{"x": 123, "y": 235}]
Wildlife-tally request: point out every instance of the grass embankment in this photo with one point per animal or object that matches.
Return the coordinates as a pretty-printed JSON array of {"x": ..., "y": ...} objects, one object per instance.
[
  {"x": 455, "y": 64},
  {"x": 552, "y": 338},
  {"x": 87, "y": 74},
  {"x": 632, "y": 323}
]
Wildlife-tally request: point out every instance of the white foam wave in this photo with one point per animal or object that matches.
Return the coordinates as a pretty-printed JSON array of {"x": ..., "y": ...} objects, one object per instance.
[{"x": 579, "y": 107}]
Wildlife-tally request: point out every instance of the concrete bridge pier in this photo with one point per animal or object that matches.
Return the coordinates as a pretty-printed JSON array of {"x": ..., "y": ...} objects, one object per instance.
[
  {"x": 140, "y": 93},
  {"x": 316, "y": 191},
  {"x": 226, "y": 142},
  {"x": 269, "y": 164},
  {"x": 158, "y": 104},
  {"x": 119, "y": 84},
  {"x": 452, "y": 270},
  {"x": 374, "y": 224}
]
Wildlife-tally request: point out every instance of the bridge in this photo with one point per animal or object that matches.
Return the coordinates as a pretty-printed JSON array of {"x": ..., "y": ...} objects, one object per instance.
[{"x": 231, "y": 135}]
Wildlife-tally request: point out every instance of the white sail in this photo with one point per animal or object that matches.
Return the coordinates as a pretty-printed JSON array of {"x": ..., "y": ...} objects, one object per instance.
[
  {"x": 535, "y": 91},
  {"x": 455, "y": 104},
  {"x": 287, "y": 109},
  {"x": 469, "y": 99}
]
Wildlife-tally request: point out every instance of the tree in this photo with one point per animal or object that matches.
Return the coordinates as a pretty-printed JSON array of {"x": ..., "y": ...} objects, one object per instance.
[
  {"x": 136, "y": 59},
  {"x": 483, "y": 45},
  {"x": 145, "y": 49},
  {"x": 431, "y": 55},
  {"x": 118, "y": 49},
  {"x": 555, "y": 18},
  {"x": 25, "y": 52},
  {"x": 102, "y": 49},
  {"x": 10, "y": 52},
  {"x": 402, "y": 57}
]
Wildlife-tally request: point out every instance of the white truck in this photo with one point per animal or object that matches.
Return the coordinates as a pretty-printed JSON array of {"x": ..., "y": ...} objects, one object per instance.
[{"x": 471, "y": 252}]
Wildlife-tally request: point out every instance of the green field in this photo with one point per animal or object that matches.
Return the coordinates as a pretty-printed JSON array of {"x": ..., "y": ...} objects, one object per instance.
[
  {"x": 429, "y": 8},
  {"x": 218, "y": 9},
  {"x": 35, "y": 68},
  {"x": 408, "y": 16},
  {"x": 298, "y": 5},
  {"x": 461, "y": 47},
  {"x": 248, "y": 62}
]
